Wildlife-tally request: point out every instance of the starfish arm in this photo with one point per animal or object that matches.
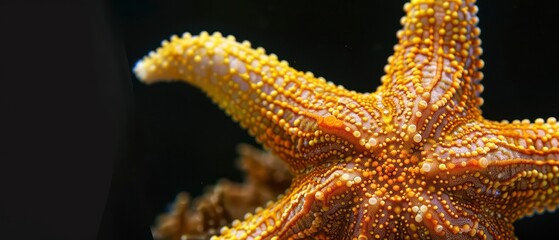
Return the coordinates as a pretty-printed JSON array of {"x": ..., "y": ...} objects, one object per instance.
[
  {"x": 303, "y": 211},
  {"x": 301, "y": 118},
  {"x": 434, "y": 71},
  {"x": 491, "y": 174}
]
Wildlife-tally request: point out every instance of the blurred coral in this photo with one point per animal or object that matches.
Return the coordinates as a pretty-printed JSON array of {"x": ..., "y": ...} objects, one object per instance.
[{"x": 266, "y": 178}]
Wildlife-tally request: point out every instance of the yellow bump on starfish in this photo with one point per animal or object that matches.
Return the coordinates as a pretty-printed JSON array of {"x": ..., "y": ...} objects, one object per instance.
[{"x": 413, "y": 160}]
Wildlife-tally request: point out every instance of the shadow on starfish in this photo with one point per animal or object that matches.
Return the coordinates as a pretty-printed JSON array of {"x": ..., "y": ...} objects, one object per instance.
[{"x": 413, "y": 159}]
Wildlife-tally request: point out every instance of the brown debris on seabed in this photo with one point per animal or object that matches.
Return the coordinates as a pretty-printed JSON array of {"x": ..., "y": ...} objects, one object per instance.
[{"x": 266, "y": 178}]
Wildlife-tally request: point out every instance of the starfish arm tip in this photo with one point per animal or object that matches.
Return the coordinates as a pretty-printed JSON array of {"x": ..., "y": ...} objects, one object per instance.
[{"x": 140, "y": 71}]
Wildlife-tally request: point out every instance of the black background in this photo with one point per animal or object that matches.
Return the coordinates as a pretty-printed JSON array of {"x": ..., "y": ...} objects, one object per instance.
[{"x": 176, "y": 138}]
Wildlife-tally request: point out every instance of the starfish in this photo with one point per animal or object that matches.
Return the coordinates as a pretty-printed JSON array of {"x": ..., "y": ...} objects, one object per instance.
[{"x": 413, "y": 160}]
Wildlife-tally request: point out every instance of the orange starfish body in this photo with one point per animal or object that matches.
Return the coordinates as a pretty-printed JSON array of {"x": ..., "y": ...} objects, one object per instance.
[{"x": 413, "y": 160}]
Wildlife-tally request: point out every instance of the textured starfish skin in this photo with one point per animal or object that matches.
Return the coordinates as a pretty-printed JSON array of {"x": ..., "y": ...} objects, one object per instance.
[{"x": 413, "y": 160}]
